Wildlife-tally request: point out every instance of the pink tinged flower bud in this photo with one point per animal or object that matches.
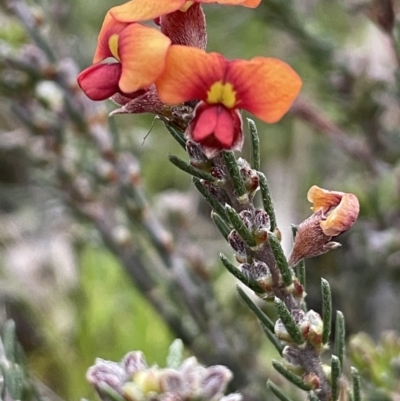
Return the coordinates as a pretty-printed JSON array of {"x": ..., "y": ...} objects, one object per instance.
[
  {"x": 133, "y": 362},
  {"x": 105, "y": 372},
  {"x": 312, "y": 327},
  {"x": 312, "y": 379},
  {"x": 214, "y": 381},
  {"x": 172, "y": 381},
  {"x": 249, "y": 176},
  {"x": 298, "y": 290}
]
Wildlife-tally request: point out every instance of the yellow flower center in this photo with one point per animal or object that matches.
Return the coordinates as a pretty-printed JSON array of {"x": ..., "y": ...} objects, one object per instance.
[
  {"x": 186, "y": 6},
  {"x": 113, "y": 45},
  {"x": 222, "y": 93}
]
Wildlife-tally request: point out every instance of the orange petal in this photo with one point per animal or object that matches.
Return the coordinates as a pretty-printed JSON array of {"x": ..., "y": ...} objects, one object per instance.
[
  {"x": 189, "y": 73},
  {"x": 251, "y": 3},
  {"x": 340, "y": 210},
  {"x": 342, "y": 217},
  {"x": 141, "y": 10},
  {"x": 266, "y": 87},
  {"x": 110, "y": 27},
  {"x": 142, "y": 51},
  {"x": 323, "y": 199},
  {"x": 246, "y": 3}
]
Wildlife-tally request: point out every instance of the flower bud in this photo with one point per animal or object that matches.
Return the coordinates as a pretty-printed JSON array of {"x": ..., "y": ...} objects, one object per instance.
[
  {"x": 249, "y": 175},
  {"x": 237, "y": 243},
  {"x": 218, "y": 193},
  {"x": 247, "y": 218},
  {"x": 214, "y": 381},
  {"x": 281, "y": 332},
  {"x": 312, "y": 327},
  {"x": 261, "y": 220},
  {"x": 260, "y": 273},
  {"x": 312, "y": 379},
  {"x": 298, "y": 290},
  {"x": 171, "y": 381},
  {"x": 106, "y": 372},
  {"x": 217, "y": 172},
  {"x": 133, "y": 362}
]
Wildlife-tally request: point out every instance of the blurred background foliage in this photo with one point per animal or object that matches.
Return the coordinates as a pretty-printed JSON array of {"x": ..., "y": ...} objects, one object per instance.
[{"x": 70, "y": 298}]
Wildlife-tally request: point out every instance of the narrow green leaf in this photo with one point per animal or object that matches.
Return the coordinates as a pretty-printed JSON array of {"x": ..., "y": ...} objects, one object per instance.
[
  {"x": 267, "y": 200},
  {"x": 288, "y": 322},
  {"x": 356, "y": 384},
  {"x": 211, "y": 199},
  {"x": 335, "y": 376},
  {"x": 177, "y": 135},
  {"x": 236, "y": 178},
  {"x": 245, "y": 279},
  {"x": 340, "y": 334},
  {"x": 175, "y": 352},
  {"x": 280, "y": 258},
  {"x": 187, "y": 168},
  {"x": 301, "y": 266},
  {"x": 274, "y": 340},
  {"x": 239, "y": 226},
  {"x": 293, "y": 378},
  {"x": 264, "y": 319},
  {"x": 9, "y": 340},
  {"x": 326, "y": 310},
  {"x": 276, "y": 390},
  {"x": 255, "y": 145},
  {"x": 223, "y": 228}
]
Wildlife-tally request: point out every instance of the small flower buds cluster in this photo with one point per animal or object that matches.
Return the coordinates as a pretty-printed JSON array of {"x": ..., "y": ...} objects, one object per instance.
[
  {"x": 135, "y": 381},
  {"x": 260, "y": 273},
  {"x": 249, "y": 176},
  {"x": 282, "y": 332},
  {"x": 311, "y": 328},
  {"x": 334, "y": 213}
]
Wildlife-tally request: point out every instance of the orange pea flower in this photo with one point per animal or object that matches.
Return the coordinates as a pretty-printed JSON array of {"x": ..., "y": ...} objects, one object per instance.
[
  {"x": 141, "y": 10},
  {"x": 139, "y": 54},
  {"x": 265, "y": 87},
  {"x": 334, "y": 213},
  {"x": 339, "y": 209}
]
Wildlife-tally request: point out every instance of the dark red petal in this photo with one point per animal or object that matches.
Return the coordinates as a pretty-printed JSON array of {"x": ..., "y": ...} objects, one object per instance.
[
  {"x": 216, "y": 128},
  {"x": 100, "y": 81}
]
